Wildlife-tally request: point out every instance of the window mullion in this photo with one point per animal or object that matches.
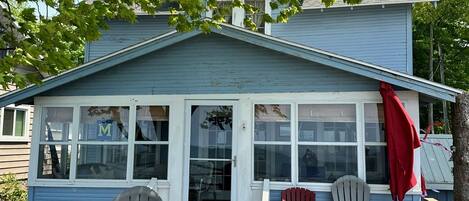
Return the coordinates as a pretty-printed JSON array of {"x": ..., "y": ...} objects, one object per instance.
[
  {"x": 294, "y": 144},
  {"x": 361, "y": 141},
  {"x": 74, "y": 154},
  {"x": 13, "y": 130},
  {"x": 131, "y": 141}
]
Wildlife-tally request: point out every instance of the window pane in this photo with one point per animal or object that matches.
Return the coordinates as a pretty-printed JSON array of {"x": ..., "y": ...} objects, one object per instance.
[
  {"x": 102, "y": 161},
  {"x": 8, "y": 122},
  {"x": 54, "y": 161},
  {"x": 257, "y": 17},
  {"x": 326, "y": 163},
  {"x": 272, "y": 162},
  {"x": 327, "y": 123},
  {"x": 272, "y": 123},
  {"x": 377, "y": 167},
  {"x": 152, "y": 123},
  {"x": 104, "y": 123},
  {"x": 56, "y": 123},
  {"x": 374, "y": 122},
  {"x": 209, "y": 180},
  {"x": 20, "y": 122},
  {"x": 150, "y": 161},
  {"x": 211, "y": 132}
]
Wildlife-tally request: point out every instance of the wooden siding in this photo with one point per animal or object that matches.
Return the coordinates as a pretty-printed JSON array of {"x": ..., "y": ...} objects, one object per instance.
[
  {"x": 108, "y": 194},
  {"x": 123, "y": 34},
  {"x": 327, "y": 196},
  {"x": 14, "y": 156},
  {"x": 373, "y": 34},
  {"x": 215, "y": 64}
]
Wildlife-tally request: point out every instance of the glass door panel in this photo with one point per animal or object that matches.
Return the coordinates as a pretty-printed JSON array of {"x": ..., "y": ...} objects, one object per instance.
[{"x": 211, "y": 133}]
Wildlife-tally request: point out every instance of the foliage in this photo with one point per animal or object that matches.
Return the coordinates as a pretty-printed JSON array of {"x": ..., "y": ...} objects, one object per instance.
[
  {"x": 450, "y": 19},
  {"x": 11, "y": 188},
  {"x": 53, "y": 44}
]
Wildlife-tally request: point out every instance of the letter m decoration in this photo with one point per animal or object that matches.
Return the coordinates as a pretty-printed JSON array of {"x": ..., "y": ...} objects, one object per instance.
[{"x": 104, "y": 129}]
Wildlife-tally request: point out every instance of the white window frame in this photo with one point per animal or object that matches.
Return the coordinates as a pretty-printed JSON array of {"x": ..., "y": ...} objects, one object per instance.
[
  {"x": 13, "y": 138},
  {"x": 76, "y": 103}
]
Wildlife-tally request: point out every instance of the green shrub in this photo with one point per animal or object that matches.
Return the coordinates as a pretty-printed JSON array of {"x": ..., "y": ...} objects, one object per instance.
[{"x": 11, "y": 189}]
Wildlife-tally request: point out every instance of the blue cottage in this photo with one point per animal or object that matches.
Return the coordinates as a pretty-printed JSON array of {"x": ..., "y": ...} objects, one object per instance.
[{"x": 210, "y": 116}]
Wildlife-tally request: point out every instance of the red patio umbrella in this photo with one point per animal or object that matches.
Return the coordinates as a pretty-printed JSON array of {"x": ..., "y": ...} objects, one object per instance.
[{"x": 402, "y": 139}]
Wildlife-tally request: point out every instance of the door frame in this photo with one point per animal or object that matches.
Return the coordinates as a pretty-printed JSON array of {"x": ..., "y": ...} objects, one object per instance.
[{"x": 234, "y": 143}]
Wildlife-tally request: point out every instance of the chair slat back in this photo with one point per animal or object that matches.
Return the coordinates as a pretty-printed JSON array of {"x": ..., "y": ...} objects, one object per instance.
[
  {"x": 298, "y": 194},
  {"x": 138, "y": 193},
  {"x": 350, "y": 188}
]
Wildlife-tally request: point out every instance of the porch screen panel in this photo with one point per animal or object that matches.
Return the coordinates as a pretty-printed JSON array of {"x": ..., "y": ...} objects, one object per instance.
[
  {"x": 151, "y": 142},
  {"x": 327, "y": 142},
  {"x": 377, "y": 167},
  {"x": 55, "y": 143},
  {"x": 272, "y": 142}
]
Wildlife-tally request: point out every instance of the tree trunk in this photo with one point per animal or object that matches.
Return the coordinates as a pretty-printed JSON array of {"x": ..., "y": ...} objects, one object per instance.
[{"x": 461, "y": 144}]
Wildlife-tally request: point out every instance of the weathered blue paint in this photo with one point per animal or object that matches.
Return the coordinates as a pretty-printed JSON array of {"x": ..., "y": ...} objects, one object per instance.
[
  {"x": 310, "y": 54},
  {"x": 327, "y": 196},
  {"x": 73, "y": 193},
  {"x": 247, "y": 69},
  {"x": 122, "y": 34},
  {"x": 441, "y": 195},
  {"x": 377, "y": 35}
]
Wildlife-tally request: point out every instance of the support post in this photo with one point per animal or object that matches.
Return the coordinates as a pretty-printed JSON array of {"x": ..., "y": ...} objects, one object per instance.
[{"x": 461, "y": 145}]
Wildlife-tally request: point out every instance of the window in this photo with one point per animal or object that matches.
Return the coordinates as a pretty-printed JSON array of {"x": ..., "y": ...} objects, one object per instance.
[
  {"x": 14, "y": 125},
  {"x": 257, "y": 18},
  {"x": 224, "y": 9},
  {"x": 99, "y": 144},
  {"x": 151, "y": 142},
  {"x": 272, "y": 142},
  {"x": 55, "y": 143},
  {"x": 329, "y": 142},
  {"x": 377, "y": 171},
  {"x": 102, "y": 142}
]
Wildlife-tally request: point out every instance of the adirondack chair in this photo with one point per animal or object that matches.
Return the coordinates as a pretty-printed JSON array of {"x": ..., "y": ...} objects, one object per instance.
[
  {"x": 298, "y": 194},
  {"x": 350, "y": 188},
  {"x": 138, "y": 193}
]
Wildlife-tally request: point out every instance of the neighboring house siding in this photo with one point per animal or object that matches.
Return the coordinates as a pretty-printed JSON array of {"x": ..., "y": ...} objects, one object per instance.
[
  {"x": 14, "y": 156},
  {"x": 215, "y": 64},
  {"x": 327, "y": 196},
  {"x": 377, "y": 35},
  {"x": 123, "y": 34}
]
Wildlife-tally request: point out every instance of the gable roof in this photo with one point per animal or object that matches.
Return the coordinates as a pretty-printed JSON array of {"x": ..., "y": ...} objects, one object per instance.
[
  {"x": 308, "y": 53},
  {"x": 315, "y": 4},
  {"x": 436, "y": 164}
]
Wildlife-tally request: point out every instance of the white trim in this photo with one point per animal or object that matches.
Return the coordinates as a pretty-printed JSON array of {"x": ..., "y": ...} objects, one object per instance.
[
  {"x": 26, "y": 123},
  {"x": 268, "y": 11}
]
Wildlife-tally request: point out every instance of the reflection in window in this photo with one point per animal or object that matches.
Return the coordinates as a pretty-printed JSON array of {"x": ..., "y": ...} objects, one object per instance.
[
  {"x": 151, "y": 161},
  {"x": 8, "y": 115},
  {"x": 151, "y": 142},
  {"x": 327, "y": 123},
  {"x": 272, "y": 162},
  {"x": 104, "y": 123},
  {"x": 272, "y": 123},
  {"x": 54, "y": 161},
  {"x": 101, "y": 161},
  {"x": 56, "y": 124},
  {"x": 152, "y": 123},
  {"x": 376, "y": 158},
  {"x": 318, "y": 163}
]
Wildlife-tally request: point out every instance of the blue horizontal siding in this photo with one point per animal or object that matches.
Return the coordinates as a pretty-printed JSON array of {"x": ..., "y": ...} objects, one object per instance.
[
  {"x": 327, "y": 196},
  {"x": 441, "y": 195},
  {"x": 122, "y": 34},
  {"x": 215, "y": 64},
  {"x": 72, "y": 194},
  {"x": 373, "y": 34}
]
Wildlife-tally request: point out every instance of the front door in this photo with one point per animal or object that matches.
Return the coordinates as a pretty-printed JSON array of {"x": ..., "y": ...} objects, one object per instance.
[{"x": 211, "y": 160}]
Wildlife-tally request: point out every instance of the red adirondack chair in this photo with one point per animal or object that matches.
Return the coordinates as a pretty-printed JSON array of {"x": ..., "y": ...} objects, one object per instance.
[{"x": 298, "y": 194}]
